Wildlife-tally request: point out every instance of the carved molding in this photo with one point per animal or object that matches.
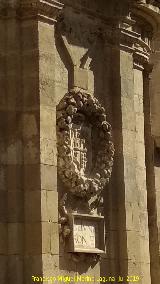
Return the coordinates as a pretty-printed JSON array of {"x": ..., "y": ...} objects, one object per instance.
[
  {"x": 46, "y": 9},
  {"x": 121, "y": 37},
  {"x": 151, "y": 2}
]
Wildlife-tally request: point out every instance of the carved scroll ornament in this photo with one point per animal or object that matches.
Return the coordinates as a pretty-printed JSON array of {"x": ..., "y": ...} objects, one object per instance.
[{"x": 85, "y": 149}]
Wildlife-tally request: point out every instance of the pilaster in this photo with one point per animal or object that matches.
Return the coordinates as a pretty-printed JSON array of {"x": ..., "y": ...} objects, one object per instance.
[
  {"x": 28, "y": 169},
  {"x": 129, "y": 176}
]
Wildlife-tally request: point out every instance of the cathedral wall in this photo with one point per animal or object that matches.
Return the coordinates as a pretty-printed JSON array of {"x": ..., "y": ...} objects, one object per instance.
[{"x": 43, "y": 55}]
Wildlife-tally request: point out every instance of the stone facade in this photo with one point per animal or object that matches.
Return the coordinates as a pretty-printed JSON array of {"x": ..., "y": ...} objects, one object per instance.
[{"x": 80, "y": 141}]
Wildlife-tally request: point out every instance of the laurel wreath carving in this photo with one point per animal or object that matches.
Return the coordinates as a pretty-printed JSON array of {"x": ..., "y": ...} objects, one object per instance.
[{"x": 79, "y": 107}]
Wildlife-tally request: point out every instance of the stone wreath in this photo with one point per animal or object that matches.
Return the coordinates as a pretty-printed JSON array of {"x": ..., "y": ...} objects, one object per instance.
[{"x": 80, "y": 107}]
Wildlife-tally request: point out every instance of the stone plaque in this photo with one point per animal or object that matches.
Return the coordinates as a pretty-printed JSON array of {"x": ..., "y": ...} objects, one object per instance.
[{"x": 87, "y": 233}]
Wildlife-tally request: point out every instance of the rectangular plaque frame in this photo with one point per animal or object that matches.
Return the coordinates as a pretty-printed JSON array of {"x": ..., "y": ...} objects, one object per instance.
[{"x": 95, "y": 222}]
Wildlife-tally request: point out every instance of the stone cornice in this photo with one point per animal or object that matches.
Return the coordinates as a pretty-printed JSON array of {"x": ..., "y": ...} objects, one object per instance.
[
  {"x": 149, "y": 2},
  {"x": 148, "y": 11},
  {"x": 128, "y": 40},
  {"x": 48, "y": 10}
]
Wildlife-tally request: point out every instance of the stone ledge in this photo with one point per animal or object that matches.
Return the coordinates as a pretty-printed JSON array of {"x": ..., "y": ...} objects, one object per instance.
[{"x": 47, "y": 10}]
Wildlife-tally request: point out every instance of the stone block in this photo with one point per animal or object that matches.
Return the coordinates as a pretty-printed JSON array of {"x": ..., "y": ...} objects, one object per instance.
[
  {"x": 3, "y": 153},
  {"x": 3, "y": 35},
  {"x": 14, "y": 91},
  {"x": 15, "y": 206},
  {"x": 52, "y": 206},
  {"x": 54, "y": 238},
  {"x": 145, "y": 254},
  {"x": 29, "y": 124},
  {"x": 144, "y": 224},
  {"x": 140, "y": 150},
  {"x": 13, "y": 64},
  {"x": 31, "y": 151},
  {"x": 133, "y": 246},
  {"x": 129, "y": 167},
  {"x": 3, "y": 177},
  {"x": 3, "y": 266},
  {"x": 138, "y": 104},
  {"x": 138, "y": 82},
  {"x": 141, "y": 178},
  {"x": 30, "y": 63},
  {"x": 111, "y": 241},
  {"x": 80, "y": 78},
  {"x": 111, "y": 215},
  {"x": 157, "y": 177},
  {"x": 46, "y": 37},
  {"x": 142, "y": 199},
  {"x": 49, "y": 206},
  {"x": 47, "y": 64},
  {"x": 127, "y": 88},
  {"x": 60, "y": 90},
  {"x": 3, "y": 206},
  {"x": 31, "y": 91},
  {"x": 48, "y": 151},
  {"x": 48, "y": 122},
  {"x": 14, "y": 152},
  {"x": 46, "y": 237},
  {"x": 3, "y": 97},
  {"x": 49, "y": 177},
  {"x": 50, "y": 265},
  {"x": 134, "y": 268},
  {"x": 129, "y": 143},
  {"x": 29, "y": 31},
  {"x": 13, "y": 35},
  {"x": 132, "y": 217},
  {"x": 145, "y": 273},
  {"x": 131, "y": 194},
  {"x": 32, "y": 206},
  {"x": 33, "y": 267},
  {"x": 109, "y": 267},
  {"x": 32, "y": 179},
  {"x": 158, "y": 207},
  {"x": 37, "y": 238},
  {"x": 33, "y": 238},
  {"x": 128, "y": 114},
  {"x": 91, "y": 82},
  {"x": 12, "y": 126},
  {"x": 61, "y": 74},
  {"x": 15, "y": 269},
  {"x": 126, "y": 67},
  {"x": 15, "y": 238},
  {"x": 3, "y": 238},
  {"x": 140, "y": 128},
  {"x": 47, "y": 91},
  {"x": 2, "y": 63}
]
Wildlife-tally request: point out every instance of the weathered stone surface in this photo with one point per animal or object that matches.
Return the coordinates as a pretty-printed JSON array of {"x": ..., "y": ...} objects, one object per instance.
[
  {"x": 15, "y": 206},
  {"x": 32, "y": 205},
  {"x": 49, "y": 204},
  {"x": 3, "y": 238},
  {"x": 101, "y": 47},
  {"x": 33, "y": 238},
  {"x": 15, "y": 238},
  {"x": 49, "y": 177},
  {"x": 4, "y": 268},
  {"x": 54, "y": 239},
  {"x": 15, "y": 269}
]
